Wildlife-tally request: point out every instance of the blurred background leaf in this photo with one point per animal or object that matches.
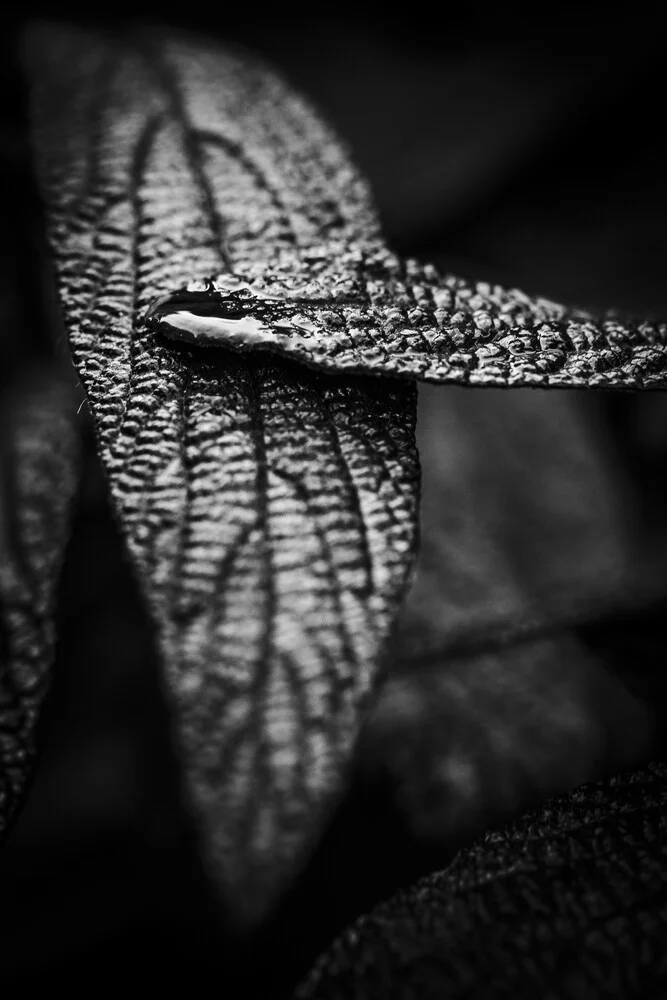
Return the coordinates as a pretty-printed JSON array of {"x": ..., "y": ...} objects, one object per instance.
[
  {"x": 39, "y": 465},
  {"x": 567, "y": 903}
]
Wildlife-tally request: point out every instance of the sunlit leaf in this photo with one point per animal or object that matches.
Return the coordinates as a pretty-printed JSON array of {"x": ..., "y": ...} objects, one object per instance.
[
  {"x": 270, "y": 512},
  {"x": 568, "y": 902}
]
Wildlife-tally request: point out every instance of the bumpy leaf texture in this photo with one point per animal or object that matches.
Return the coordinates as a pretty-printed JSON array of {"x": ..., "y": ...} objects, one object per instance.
[
  {"x": 204, "y": 223},
  {"x": 270, "y": 511},
  {"x": 569, "y": 902},
  {"x": 370, "y": 311},
  {"x": 38, "y": 478}
]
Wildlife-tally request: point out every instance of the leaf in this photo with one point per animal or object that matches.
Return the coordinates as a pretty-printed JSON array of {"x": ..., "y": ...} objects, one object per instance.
[
  {"x": 38, "y": 476},
  {"x": 39, "y": 464},
  {"x": 373, "y": 312},
  {"x": 529, "y": 652},
  {"x": 270, "y": 512},
  {"x": 568, "y": 902},
  {"x": 205, "y": 223}
]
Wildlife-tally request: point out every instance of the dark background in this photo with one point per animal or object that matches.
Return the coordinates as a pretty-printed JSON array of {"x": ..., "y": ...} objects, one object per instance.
[{"x": 530, "y": 150}]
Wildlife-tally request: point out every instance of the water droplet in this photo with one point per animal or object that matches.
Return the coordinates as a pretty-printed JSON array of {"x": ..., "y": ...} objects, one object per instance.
[
  {"x": 205, "y": 300},
  {"x": 210, "y": 329},
  {"x": 258, "y": 312},
  {"x": 238, "y": 318},
  {"x": 305, "y": 324}
]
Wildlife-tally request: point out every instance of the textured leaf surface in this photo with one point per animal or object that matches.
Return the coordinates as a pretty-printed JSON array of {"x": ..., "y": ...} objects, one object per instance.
[
  {"x": 372, "y": 311},
  {"x": 38, "y": 452},
  {"x": 569, "y": 902},
  {"x": 270, "y": 511}
]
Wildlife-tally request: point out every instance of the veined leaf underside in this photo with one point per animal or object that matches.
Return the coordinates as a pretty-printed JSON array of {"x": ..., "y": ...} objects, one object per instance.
[{"x": 270, "y": 511}]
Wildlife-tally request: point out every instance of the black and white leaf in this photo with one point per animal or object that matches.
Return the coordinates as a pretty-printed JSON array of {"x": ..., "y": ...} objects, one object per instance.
[
  {"x": 371, "y": 311},
  {"x": 270, "y": 511},
  {"x": 208, "y": 232},
  {"x": 38, "y": 479},
  {"x": 567, "y": 903}
]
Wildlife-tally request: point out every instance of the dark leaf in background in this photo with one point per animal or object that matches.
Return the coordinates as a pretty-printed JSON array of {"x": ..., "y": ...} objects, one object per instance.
[
  {"x": 529, "y": 656},
  {"x": 270, "y": 512},
  {"x": 39, "y": 470},
  {"x": 38, "y": 466},
  {"x": 568, "y": 902}
]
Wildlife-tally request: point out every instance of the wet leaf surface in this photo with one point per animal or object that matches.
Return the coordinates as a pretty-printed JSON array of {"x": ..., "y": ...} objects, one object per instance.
[{"x": 370, "y": 311}]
